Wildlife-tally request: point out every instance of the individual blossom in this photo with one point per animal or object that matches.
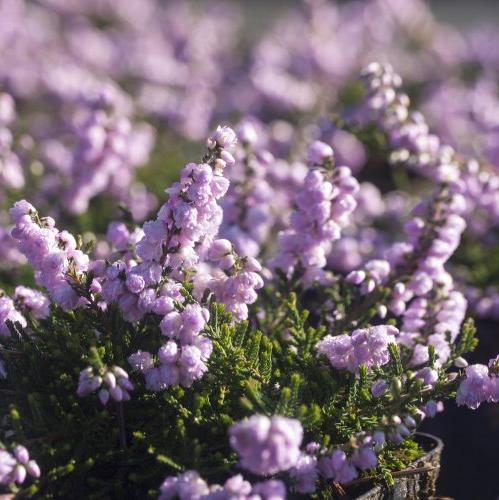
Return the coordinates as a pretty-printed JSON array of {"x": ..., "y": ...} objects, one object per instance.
[
  {"x": 224, "y": 138},
  {"x": 475, "y": 387},
  {"x": 15, "y": 466},
  {"x": 337, "y": 466},
  {"x": 378, "y": 440},
  {"x": 366, "y": 346},
  {"x": 9, "y": 312},
  {"x": 123, "y": 239},
  {"x": 431, "y": 408},
  {"x": 305, "y": 473},
  {"x": 379, "y": 388},
  {"x": 373, "y": 273},
  {"x": 267, "y": 445},
  {"x": 364, "y": 458},
  {"x": 427, "y": 375}
]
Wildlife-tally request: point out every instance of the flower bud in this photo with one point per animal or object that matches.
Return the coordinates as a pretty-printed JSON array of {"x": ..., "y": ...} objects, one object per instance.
[
  {"x": 110, "y": 379},
  {"x": 21, "y": 454},
  {"x": 19, "y": 474},
  {"x": 33, "y": 469},
  {"x": 104, "y": 396}
]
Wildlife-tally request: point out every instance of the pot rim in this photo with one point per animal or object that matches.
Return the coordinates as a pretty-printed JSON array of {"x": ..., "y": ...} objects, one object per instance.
[{"x": 436, "y": 449}]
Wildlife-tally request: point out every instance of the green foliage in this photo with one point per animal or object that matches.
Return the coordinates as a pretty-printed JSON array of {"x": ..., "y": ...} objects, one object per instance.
[
  {"x": 268, "y": 366},
  {"x": 467, "y": 341},
  {"x": 394, "y": 458},
  {"x": 478, "y": 262}
]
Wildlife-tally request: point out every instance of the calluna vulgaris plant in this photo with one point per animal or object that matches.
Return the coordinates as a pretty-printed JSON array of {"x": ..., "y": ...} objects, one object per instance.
[
  {"x": 279, "y": 328},
  {"x": 183, "y": 366}
]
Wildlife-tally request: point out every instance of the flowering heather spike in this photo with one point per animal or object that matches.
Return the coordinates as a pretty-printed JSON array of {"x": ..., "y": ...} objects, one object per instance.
[
  {"x": 190, "y": 219},
  {"x": 423, "y": 326},
  {"x": 248, "y": 216},
  {"x": 53, "y": 255},
  {"x": 323, "y": 207},
  {"x": 109, "y": 149},
  {"x": 433, "y": 234},
  {"x": 408, "y": 133},
  {"x": 431, "y": 241},
  {"x": 112, "y": 383},
  {"x": 267, "y": 445},
  {"x": 172, "y": 244}
]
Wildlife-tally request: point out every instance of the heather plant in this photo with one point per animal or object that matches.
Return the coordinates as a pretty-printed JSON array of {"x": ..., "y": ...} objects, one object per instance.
[
  {"x": 179, "y": 367},
  {"x": 296, "y": 302}
]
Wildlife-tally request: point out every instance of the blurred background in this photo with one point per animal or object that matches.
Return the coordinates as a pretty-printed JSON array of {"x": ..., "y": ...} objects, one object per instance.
[{"x": 460, "y": 13}]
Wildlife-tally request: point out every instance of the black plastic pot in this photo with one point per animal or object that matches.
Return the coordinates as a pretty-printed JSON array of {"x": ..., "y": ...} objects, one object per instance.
[{"x": 416, "y": 482}]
